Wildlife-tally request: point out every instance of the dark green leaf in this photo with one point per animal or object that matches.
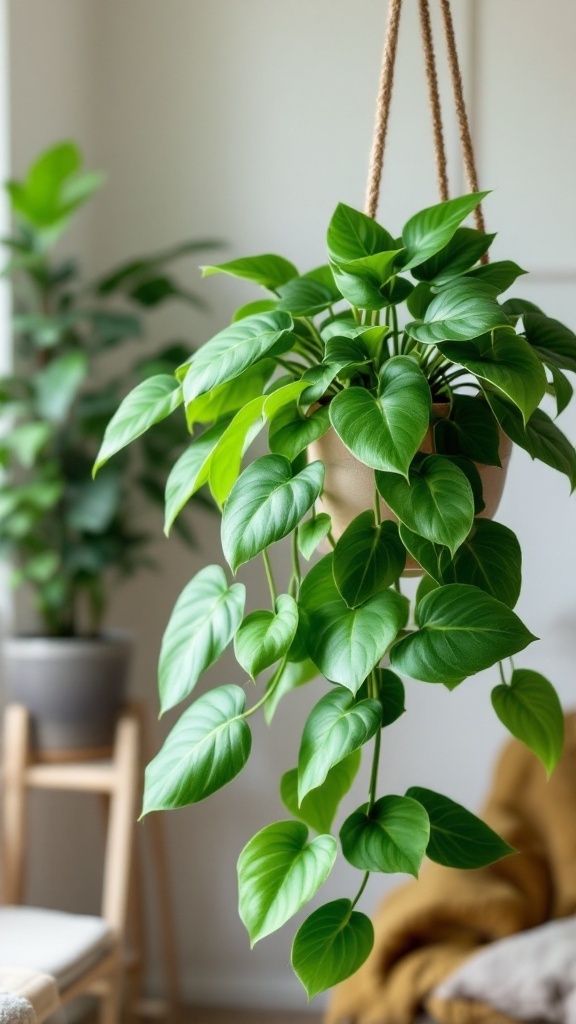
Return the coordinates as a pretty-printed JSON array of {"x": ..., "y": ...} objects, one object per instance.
[
  {"x": 318, "y": 808},
  {"x": 426, "y": 553},
  {"x": 460, "y": 312},
  {"x": 458, "y": 839},
  {"x": 368, "y": 558},
  {"x": 463, "y": 250},
  {"x": 427, "y": 232},
  {"x": 490, "y": 558},
  {"x": 530, "y": 709},
  {"x": 336, "y": 726},
  {"x": 540, "y": 437},
  {"x": 499, "y": 275},
  {"x": 391, "y": 837},
  {"x": 562, "y": 388},
  {"x": 331, "y": 945},
  {"x": 554, "y": 342},
  {"x": 391, "y": 695},
  {"x": 470, "y": 430}
]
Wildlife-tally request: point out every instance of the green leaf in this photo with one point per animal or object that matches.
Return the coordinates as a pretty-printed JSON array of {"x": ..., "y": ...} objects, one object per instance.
[
  {"x": 352, "y": 235},
  {"x": 346, "y": 643},
  {"x": 470, "y": 430},
  {"x": 318, "y": 808},
  {"x": 264, "y": 637},
  {"x": 375, "y": 270},
  {"x": 458, "y": 839},
  {"x": 319, "y": 379},
  {"x": 312, "y": 532},
  {"x": 336, "y": 726},
  {"x": 293, "y": 675},
  {"x": 554, "y": 342},
  {"x": 391, "y": 837},
  {"x": 190, "y": 472},
  {"x": 250, "y": 308},
  {"x": 331, "y": 945},
  {"x": 500, "y": 275},
  {"x": 266, "y": 503},
  {"x": 460, "y": 254},
  {"x": 508, "y": 363},
  {"x": 291, "y": 432},
  {"x": 460, "y": 312},
  {"x": 233, "y": 350},
  {"x": 462, "y": 631},
  {"x": 94, "y": 503},
  {"x": 427, "y": 232},
  {"x": 426, "y": 553},
  {"x": 148, "y": 403},
  {"x": 562, "y": 388},
  {"x": 385, "y": 431},
  {"x": 426, "y": 586},
  {"x": 530, "y": 709},
  {"x": 346, "y": 352},
  {"x": 437, "y": 503},
  {"x": 490, "y": 558},
  {"x": 203, "y": 622},
  {"x": 206, "y": 749},
  {"x": 358, "y": 291},
  {"x": 279, "y": 871},
  {"x": 268, "y": 270},
  {"x": 540, "y": 437},
  {"x": 57, "y": 385},
  {"x": 232, "y": 396},
  {"x": 391, "y": 695},
  {"x": 27, "y": 440},
  {"x": 367, "y": 559},
  {"x": 303, "y": 296}
]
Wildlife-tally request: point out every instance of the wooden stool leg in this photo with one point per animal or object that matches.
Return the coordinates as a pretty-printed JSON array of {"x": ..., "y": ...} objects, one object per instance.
[{"x": 16, "y": 740}]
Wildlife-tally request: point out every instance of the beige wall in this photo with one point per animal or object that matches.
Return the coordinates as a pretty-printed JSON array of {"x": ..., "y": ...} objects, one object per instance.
[{"x": 249, "y": 121}]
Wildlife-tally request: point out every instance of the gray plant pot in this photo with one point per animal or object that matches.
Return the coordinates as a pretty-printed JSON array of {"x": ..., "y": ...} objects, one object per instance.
[{"x": 73, "y": 688}]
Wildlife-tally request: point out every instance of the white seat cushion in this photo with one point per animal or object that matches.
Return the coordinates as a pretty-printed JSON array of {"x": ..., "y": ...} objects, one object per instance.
[{"x": 53, "y": 942}]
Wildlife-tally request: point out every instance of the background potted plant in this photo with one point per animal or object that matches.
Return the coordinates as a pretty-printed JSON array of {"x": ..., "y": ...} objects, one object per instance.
[
  {"x": 400, "y": 353},
  {"x": 67, "y": 539}
]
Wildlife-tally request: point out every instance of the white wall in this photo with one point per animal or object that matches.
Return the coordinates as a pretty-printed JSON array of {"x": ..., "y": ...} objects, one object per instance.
[{"x": 249, "y": 121}]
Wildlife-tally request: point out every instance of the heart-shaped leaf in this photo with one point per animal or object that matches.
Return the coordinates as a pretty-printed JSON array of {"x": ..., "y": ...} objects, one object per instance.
[
  {"x": 336, "y": 726},
  {"x": 266, "y": 503},
  {"x": 264, "y": 637},
  {"x": 391, "y": 837},
  {"x": 148, "y": 403},
  {"x": 428, "y": 231},
  {"x": 540, "y": 436},
  {"x": 318, "y": 808},
  {"x": 460, "y": 312},
  {"x": 463, "y": 250},
  {"x": 352, "y": 235},
  {"x": 462, "y": 631},
  {"x": 312, "y": 533},
  {"x": 206, "y": 749},
  {"x": 291, "y": 432},
  {"x": 269, "y": 271},
  {"x": 458, "y": 839},
  {"x": 530, "y": 709},
  {"x": 331, "y": 945},
  {"x": 437, "y": 503},
  {"x": 425, "y": 552},
  {"x": 216, "y": 612},
  {"x": 470, "y": 430},
  {"x": 278, "y": 873},
  {"x": 345, "y": 643},
  {"x": 368, "y": 558},
  {"x": 490, "y": 558}
]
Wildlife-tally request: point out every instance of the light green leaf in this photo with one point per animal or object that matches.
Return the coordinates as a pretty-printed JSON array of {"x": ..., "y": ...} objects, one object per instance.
[
  {"x": 530, "y": 709},
  {"x": 264, "y": 637},
  {"x": 458, "y": 839},
  {"x": 57, "y": 385},
  {"x": 368, "y": 558},
  {"x": 233, "y": 350},
  {"x": 490, "y": 558},
  {"x": 385, "y": 431},
  {"x": 460, "y": 254},
  {"x": 291, "y": 432},
  {"x": 250, "y": 308},
  {"x": 540, "y": 436},
  {"x": 460, "y": 312},
  {"x": 470, "y": 430},
  {"x": 427, "y": 232},
  {"x": 269, "y": 271},
  {"x": 148, "y": 403},
  {"x": 462, "y": 631},
  {"x": 391, "y": 837},
  {"x": 27, "y": 440},
  {"x": 206, "y": 749},
  {"x": 336, "y": 726},
  {"x": 293, "y": 675},
  {"x": 345, "y": 643},
  {"x": 266, "y": 503},
  {"x": 279, "y": 871},
  {"x": 203, "y": 622},
  {"x": 437, "y": 503},
  {"x": 190, "y": 472},
  {"x": 228, "y": 398},
  {"x": 303, "y": 296},
  {"x": 312, "y": 532},
  {"x": 331, "y": 945},
  {"x": 352, "y": 235},
  {"x": 318, "y": 808}
]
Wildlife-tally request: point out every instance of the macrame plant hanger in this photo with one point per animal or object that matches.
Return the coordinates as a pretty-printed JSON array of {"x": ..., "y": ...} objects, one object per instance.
[{"x": 385, "y": 97}]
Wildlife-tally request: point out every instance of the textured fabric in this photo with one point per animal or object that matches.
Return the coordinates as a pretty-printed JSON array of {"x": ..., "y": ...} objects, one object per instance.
[
  {"x": 15, "y": 1009},
  {"x": 62, "y": 945},
  {"x": 425, "y": 930},
  {"x": 39, "y": 990},
  {"x": 531, "y": 976}
]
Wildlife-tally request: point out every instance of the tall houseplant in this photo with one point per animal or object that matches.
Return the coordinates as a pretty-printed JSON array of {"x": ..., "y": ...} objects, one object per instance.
[
  {"x": 66, "y": 539},
  {"x": 400, "y": 353}
]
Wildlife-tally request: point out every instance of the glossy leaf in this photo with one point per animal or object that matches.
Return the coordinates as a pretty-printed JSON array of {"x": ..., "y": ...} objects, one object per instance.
[
  {"x": 331, "y": 945},
  {"x": 460, "y": 254},
  {"x": 490, "y": 558},
  {"x": 425, "y": 552},
  {"x": 437, "y": 503},
  {"x": 367, "y": 559},
  {"x": 312, "y": 532},
  {"x": 352, "y": 235},
  {"x": 470, "y": 430},
  {"x": 190, "y": 472},
  {"x": 385, "y": 431},
  {"x": 206, "y": 749},
  {"x": 266, "y": 503},
  {"x": 336, "y": 726},
  {"x": 427, "y": 232},
  {"x": 304, "y": 296},
  {"x": 458, "y": 839},
  {"x": 264, "y": 636},
  {"x": 540, "y": 437},
  {"x": 562, "y": 388},
  {"x": 148, "y": 403},
  {"x": 345, "y": 643},
  {"x": 319, "y": 807},
  {"x": 530, "y": 709},
  {"x": 269, "y": 271},
  {"x": 233, "y": 350},
  {"x": 291, "y": 432},
  {"x": 361, "y": 292},
  {"x": 554, "y": 342},
  {"x": 462, "y": 631},
  {"x": 500, "y": 275},
  {"x": 230, "y": 397},
  {"x": 460, "y": 312},
  {"x": 215, "y": 609},
  {"x": 391, "y": 695},
  {"x": 279, "y": 871},
  {"x": 392, "y": 837}
]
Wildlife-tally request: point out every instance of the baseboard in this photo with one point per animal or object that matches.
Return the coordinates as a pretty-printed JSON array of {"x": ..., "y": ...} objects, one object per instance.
[{"x": 276, "y": 991}]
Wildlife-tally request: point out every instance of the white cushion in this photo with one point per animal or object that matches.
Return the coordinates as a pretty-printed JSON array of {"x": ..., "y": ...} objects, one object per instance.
[
  {"x": 53, "y": 942},
  {"x": 529, "y": 976}
]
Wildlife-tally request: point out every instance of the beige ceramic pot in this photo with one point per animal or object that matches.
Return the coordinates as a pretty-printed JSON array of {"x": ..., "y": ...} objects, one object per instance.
[{"x": 349, "y": 484}]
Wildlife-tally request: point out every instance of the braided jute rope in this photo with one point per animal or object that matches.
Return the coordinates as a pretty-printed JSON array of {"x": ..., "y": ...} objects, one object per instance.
[
  {"x": 382, "y": 109},
  {"x": 434, "y": 97}
]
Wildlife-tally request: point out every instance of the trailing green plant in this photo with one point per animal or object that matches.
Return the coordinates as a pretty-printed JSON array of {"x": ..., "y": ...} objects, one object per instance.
[
  {"x": 365, "y": 345},
  {"x": 63, "y": 534}
]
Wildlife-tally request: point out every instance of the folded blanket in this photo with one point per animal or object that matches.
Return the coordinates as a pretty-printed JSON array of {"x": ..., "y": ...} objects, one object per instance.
[{"x": 425, "y": 930}]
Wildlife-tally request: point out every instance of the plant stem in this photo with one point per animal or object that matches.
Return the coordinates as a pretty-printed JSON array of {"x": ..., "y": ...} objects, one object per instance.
[
  {"x": 331, "y": 539},
  {"x": 394, "y": 318},
  {"x": 297, "y": 574},
  {"x": 377, "y": 515},
  {"x": 502, "y": 675},
  {"x": 373, "y": 691},
  {"x": 360, "y": 890},
  {"x": 269, "y": 690},
  {"x": 269, "y": 577}
]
